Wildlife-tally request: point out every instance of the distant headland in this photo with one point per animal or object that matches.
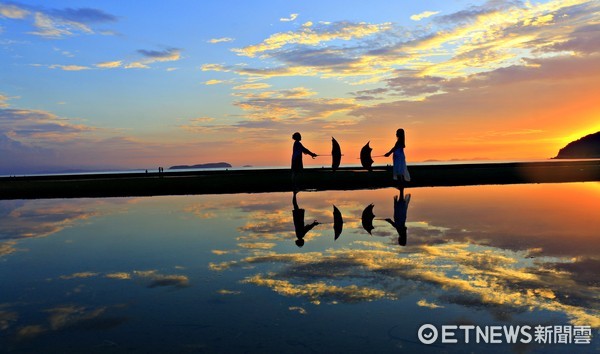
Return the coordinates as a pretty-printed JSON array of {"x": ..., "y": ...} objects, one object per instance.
[
  {"x": 587, "y": 147},
  {"x": 202, "y": 165}
]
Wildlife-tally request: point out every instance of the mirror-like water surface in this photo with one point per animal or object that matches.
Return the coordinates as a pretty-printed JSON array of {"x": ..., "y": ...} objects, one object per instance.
[{"x": 266, "y": 273}]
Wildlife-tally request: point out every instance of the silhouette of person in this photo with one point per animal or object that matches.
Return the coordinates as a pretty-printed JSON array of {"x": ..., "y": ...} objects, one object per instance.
[
  {"x": 400, "y": 211},
  {"x": 297, "y": 151},
  {"x": 299, "y": 226},
  {"x": 399, "y": 158}
]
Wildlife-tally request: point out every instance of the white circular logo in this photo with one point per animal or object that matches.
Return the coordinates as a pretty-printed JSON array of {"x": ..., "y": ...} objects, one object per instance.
[{"x": 427, "y": 334}]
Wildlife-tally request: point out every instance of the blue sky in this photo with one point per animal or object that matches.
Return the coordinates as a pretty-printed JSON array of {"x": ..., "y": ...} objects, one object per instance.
[{"x": 96, "y": 84}]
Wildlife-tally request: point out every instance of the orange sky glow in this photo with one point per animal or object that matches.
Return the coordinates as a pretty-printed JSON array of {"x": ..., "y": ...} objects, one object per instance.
[{"x": 482, "y": 80}]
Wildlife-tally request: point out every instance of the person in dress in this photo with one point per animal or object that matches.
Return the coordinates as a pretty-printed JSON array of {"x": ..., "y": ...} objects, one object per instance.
[{"x": 400, "y": 169}]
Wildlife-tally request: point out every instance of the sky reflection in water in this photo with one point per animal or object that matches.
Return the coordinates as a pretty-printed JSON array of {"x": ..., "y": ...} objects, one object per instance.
[{"x": 225, "y": 273}]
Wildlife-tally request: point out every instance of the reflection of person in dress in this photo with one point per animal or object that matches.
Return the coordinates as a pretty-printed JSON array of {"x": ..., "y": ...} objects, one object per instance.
[
  {"x": 297, "y": 151},
  {"x": 400, "y": 211},
  {"x": 299, "y": 226},
  {"x": 400, "y": 169}
]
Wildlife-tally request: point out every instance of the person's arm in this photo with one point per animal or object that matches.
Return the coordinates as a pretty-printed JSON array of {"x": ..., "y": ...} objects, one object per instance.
[
  {"x": 391, "y": 222},
  {"x": 387, "y": 154},
  {"x": 307, "y": 152},
  {"x": 309, "y": 227}
]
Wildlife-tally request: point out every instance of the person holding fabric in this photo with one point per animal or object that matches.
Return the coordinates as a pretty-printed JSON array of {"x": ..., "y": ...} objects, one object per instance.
[
  {"x": 399, "y": 158},
  {"x": 297, "y": 151}
]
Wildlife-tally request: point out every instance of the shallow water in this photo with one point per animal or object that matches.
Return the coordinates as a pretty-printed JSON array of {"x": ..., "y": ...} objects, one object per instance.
[{"x": 224, "y": 273}]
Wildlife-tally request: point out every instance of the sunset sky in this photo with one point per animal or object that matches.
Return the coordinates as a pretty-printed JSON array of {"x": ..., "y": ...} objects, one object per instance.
[{"x": 114, "y": 84}]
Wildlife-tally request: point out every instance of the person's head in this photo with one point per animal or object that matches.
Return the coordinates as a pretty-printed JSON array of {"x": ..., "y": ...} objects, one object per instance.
[
  {"x": 296, "y": 136},
  {"x": 400, "y": 136},
  {"x": 300, "y": 242}
]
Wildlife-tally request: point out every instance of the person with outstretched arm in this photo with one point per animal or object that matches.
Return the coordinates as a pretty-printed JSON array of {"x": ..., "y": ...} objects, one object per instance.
[
  {"x": 400, "y": 169},
  {"x": 297, "y": 151}
]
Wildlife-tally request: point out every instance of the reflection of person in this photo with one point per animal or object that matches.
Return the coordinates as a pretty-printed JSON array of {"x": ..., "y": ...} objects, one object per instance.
[
  {"x": 297, "y": 151},
  {"x": 399, "y": 158},
  {"x": 400, "y": 211},
  {"x": 301, "y": 229}
]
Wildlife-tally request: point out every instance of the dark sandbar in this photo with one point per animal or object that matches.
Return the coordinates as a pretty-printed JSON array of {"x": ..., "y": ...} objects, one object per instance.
[{"x": 279, "y": 180}]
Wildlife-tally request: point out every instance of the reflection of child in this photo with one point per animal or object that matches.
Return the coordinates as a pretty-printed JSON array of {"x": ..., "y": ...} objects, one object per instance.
[
  {"x": 400, "y": 168},
  {"x": 299, "y": 226}
]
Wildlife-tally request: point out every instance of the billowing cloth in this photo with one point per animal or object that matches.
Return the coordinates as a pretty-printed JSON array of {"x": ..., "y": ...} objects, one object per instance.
[
  {"x": 400, "y": 168},
  {"x": 401, "y": 210}
]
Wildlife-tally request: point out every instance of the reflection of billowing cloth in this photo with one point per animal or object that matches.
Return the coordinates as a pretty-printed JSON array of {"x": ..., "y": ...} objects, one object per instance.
[
  {"x": 400, "y": 210},
  {"x": 400, "y": 168}
]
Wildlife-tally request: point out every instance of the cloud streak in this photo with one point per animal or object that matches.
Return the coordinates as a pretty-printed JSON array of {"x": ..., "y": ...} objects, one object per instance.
[
  {"x": 38, "y": 126},
  {"x": 221, "y": 40},
  {"x": 57, "y": 23},
  {"x": 289, "y": 19},
  {"x": 153, "y": 56},
  {"x": 422, "y": 15},
  {"x": 307, "y": 35}
]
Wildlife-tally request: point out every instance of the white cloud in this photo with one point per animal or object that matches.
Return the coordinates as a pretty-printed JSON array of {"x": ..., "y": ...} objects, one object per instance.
[
  {"x": 57, "y": 23},
  {"x": 309, "y": 35},
  {"x": 3, "y": 100},
  {"x": 214, "y": 67},
  {"x": 252, "y": 86},
  {"x": 48, "y": 27},
  {"x": 213, "y": 82},
  {"x": 289, "y": 19},
  {"x": 13, "y": 12},
  {"x": 110, "y": 64},
  {"x": 136, "y": 65},
  {"x": 69, "y": 67},
  {"x": 220, "y": 40},
  {"x": 424, "y": 14}
]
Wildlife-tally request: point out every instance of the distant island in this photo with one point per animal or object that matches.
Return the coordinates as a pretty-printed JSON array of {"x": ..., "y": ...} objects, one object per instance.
[
  {"x": 587, "y": 147},
  {"x": 202, "y": 165}
]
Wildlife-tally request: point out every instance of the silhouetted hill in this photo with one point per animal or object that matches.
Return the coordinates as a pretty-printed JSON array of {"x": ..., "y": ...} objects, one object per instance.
[
  {"x": 584, "y": 148},
  {"x": 203, "y": 165}
]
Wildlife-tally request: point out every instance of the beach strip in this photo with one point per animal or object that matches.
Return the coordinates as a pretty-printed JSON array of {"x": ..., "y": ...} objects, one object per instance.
[{"x": 279, "y": 180}]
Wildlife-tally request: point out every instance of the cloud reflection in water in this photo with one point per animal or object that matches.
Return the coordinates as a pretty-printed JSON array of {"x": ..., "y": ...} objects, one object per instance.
[
  {"x": 507, "y": 251},
  {"x": 510, "y": 247}
]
